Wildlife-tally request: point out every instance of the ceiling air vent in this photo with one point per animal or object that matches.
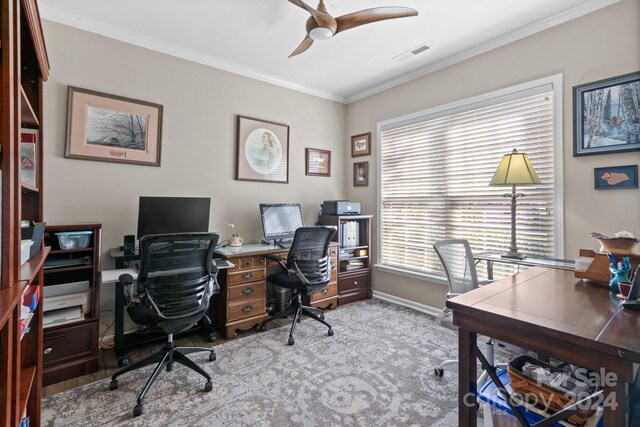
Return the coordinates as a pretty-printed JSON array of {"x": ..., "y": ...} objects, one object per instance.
[{"x": 411, "y": 53}]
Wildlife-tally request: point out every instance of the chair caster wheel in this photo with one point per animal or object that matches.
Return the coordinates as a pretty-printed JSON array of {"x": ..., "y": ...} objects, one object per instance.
[
  {"x": 212, "y": 337},
  {"x": 322, "y": 316},
  {"x": 212, "y": 356},
  {"x": 438, "y": 372},
  {"x": 291, "y": 341},
  {"x": 113, "y": 385},
  {"x": 123, "y": 361},
  {"x": 208, "y": 386},
  {"x": 138, "y": 410},
  {"x": 330, "y": 332}
]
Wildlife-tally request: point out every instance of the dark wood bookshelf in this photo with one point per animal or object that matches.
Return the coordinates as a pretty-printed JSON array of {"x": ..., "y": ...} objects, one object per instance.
[{"x": 24, "y": 67}]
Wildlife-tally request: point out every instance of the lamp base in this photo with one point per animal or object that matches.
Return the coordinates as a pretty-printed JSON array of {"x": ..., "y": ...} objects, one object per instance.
[{"x": 515, "y": 255}]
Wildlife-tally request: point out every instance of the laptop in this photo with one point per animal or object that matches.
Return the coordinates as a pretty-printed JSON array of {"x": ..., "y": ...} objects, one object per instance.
[{"x": 632, "y": 301}]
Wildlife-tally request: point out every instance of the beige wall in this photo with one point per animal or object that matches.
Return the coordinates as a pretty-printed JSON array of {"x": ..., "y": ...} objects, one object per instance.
[
  {"x": 198, "y": 139},
  {"x": 603, "y": 44},
  {"x": 198, "y": 142}
]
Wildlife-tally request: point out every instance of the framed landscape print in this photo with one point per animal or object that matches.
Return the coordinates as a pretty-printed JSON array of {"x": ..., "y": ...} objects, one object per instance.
[
  {"x": 616, "y": 177},
  {"x": 262, "y": 150},
  {"x": 361, "y": 174},
  {"x": 318, "y": 162},
  {"x": 112, "y": 128},
  {"x": 607, "y": 116},
  {"x": 361, "y": 145}
]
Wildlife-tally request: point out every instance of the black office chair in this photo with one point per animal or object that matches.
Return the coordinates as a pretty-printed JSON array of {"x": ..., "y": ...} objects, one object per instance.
[
  {"x": 175, "y": 282},
  {"x": 307, "y": 270}
]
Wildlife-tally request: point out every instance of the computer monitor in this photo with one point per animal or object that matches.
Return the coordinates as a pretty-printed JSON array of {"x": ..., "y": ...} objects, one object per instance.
[
  {"x": 280, "y": 221},
  {"x": 160, "y": 215}
]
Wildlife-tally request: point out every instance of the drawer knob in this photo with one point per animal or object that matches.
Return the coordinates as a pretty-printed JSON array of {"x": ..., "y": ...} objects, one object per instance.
[
  {"x": 324, "y": 291},
  {"x": 48, "y": 350},
  {"x": 247, "y": 291},
  {"x": 248, "y": 275},
  {"x": 247, "y": 308},
  {"x": 355, "y": 283}
]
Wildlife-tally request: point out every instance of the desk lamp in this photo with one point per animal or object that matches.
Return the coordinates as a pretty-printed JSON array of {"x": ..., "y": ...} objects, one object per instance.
[{"x": 514, "y": 169}]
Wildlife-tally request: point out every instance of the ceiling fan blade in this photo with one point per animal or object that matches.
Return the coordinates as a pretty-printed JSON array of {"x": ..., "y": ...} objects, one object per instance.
[
  {"x": 368, "y": 16},
  {"x": 306, "y": 44},
  {"x": 298, "y": 3}
]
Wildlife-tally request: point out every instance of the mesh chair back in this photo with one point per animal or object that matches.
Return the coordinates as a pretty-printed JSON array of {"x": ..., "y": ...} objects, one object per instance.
[
  {"x": 175, "y": 277},
  {"x": 458, "y": 263},
  {"x": 308, "y": 255}
]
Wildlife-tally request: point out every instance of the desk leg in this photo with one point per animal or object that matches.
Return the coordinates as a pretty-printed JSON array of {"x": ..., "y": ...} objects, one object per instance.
[
  {"x": 615, "y": 410},
  {"x": 119, "y": 326},
  {"x": 489, "y": 270},
  {"x": 468, "y": 377}
]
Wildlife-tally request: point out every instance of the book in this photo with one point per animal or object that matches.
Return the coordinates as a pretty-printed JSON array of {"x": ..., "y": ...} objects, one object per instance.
[{"x": 28, "y": 153}]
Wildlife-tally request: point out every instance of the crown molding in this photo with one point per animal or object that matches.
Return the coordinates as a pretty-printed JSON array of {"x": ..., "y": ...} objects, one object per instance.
[
  {"x": 110, "y": 31},
  {"x": 76, "y": 21},
  {"x": 499, "y": 41}
]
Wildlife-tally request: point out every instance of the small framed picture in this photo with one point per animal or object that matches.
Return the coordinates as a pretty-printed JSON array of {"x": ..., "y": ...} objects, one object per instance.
[
  {"x": 616, "y": 177},
  {"x": 605, "y": 116},
  {"x": 361, "y": 145},
  {"x": 318, "y": 162},
  {"x": 361, "y": 174}
]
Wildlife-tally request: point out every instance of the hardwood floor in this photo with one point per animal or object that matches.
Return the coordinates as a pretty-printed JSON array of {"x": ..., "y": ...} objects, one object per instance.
[{"x": 109, "y": 364}]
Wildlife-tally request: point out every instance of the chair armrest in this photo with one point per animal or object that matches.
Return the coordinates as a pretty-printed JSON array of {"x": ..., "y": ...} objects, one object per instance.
[
  {"x": 453, "y": 294},
  {"x": 126, "y": 279},
  {"x": 280, "y": 262}
]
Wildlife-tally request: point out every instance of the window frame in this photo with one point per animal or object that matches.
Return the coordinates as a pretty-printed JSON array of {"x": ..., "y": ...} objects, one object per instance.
[{"x": 553, "y": 83}]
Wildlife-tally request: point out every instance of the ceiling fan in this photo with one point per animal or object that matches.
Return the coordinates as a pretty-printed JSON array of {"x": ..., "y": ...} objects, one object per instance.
[{"x": 322, "y": 26}]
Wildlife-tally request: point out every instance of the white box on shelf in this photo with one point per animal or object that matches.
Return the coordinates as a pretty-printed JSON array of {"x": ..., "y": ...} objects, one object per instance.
[{"x": 25, "y": 246}]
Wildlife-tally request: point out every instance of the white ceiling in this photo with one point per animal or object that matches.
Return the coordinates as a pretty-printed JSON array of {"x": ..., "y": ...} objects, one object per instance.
[{"x": 255, "y": 37}]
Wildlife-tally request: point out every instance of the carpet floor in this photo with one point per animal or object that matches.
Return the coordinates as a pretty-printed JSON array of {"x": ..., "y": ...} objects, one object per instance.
[{"x": 377, "y": 370}]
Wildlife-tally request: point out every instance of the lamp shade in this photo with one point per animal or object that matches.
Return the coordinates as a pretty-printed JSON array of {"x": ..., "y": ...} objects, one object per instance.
[{"x": 515, "y": 168}]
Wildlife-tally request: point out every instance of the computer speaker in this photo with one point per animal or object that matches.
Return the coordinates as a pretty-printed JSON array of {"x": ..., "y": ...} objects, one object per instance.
[{"x": 129, "y": 246}]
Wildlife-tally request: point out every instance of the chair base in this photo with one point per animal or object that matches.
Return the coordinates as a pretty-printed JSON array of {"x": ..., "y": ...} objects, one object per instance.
[
  {"x": 438, "y": 371},
  {"x": 165, "y": 358},
  {"x": 298, "y": 310}
]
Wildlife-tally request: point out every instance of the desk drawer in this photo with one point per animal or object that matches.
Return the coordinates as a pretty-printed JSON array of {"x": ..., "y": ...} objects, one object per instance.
[
  {"x": 238, "y": 293},
  {"x": 69, "y": 343},
  {"x": 249, "y": 308},
  {"x": 358, "y": 281},
  {"x": 247, "y": 276},
  {"x": 329, "y": 291}
]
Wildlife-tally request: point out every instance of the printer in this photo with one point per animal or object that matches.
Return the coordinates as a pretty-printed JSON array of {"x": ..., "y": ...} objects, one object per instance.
[{"x": 341, "y": 207}]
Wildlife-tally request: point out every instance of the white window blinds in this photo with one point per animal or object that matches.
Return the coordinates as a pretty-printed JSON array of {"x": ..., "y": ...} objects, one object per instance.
[{"x": 435, "y": 174}]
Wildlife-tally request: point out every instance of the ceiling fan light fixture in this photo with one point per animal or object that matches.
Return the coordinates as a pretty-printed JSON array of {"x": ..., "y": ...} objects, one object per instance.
[{"x": 320, "y": 33}]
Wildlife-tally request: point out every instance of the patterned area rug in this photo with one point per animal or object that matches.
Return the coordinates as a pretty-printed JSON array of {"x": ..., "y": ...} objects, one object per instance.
[{"x": 377, "y": 370}]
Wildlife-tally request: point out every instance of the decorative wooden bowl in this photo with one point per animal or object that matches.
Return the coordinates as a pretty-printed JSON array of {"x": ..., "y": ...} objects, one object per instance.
[{"x": 618, "y": 245}]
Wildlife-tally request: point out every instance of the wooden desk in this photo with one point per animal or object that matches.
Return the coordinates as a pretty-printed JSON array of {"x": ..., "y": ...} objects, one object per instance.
[
  {"x": 551, "y": 312},
  {"x": 242, "y": 301},
  {"x": 491, "y": 257}
]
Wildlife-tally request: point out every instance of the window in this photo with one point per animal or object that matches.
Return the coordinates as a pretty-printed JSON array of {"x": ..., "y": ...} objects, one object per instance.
[{"x": 435, "y": 167}]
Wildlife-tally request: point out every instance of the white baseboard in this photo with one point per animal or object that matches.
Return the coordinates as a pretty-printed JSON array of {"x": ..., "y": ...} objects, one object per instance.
[{"x": 423, "y": 308}]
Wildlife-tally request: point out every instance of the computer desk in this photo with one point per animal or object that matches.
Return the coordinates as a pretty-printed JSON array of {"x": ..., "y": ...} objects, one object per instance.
[
  {"x": 241, "y": 303},
  {"x": 551, "y": 312},
  {"x": 122, "y": 340}
]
